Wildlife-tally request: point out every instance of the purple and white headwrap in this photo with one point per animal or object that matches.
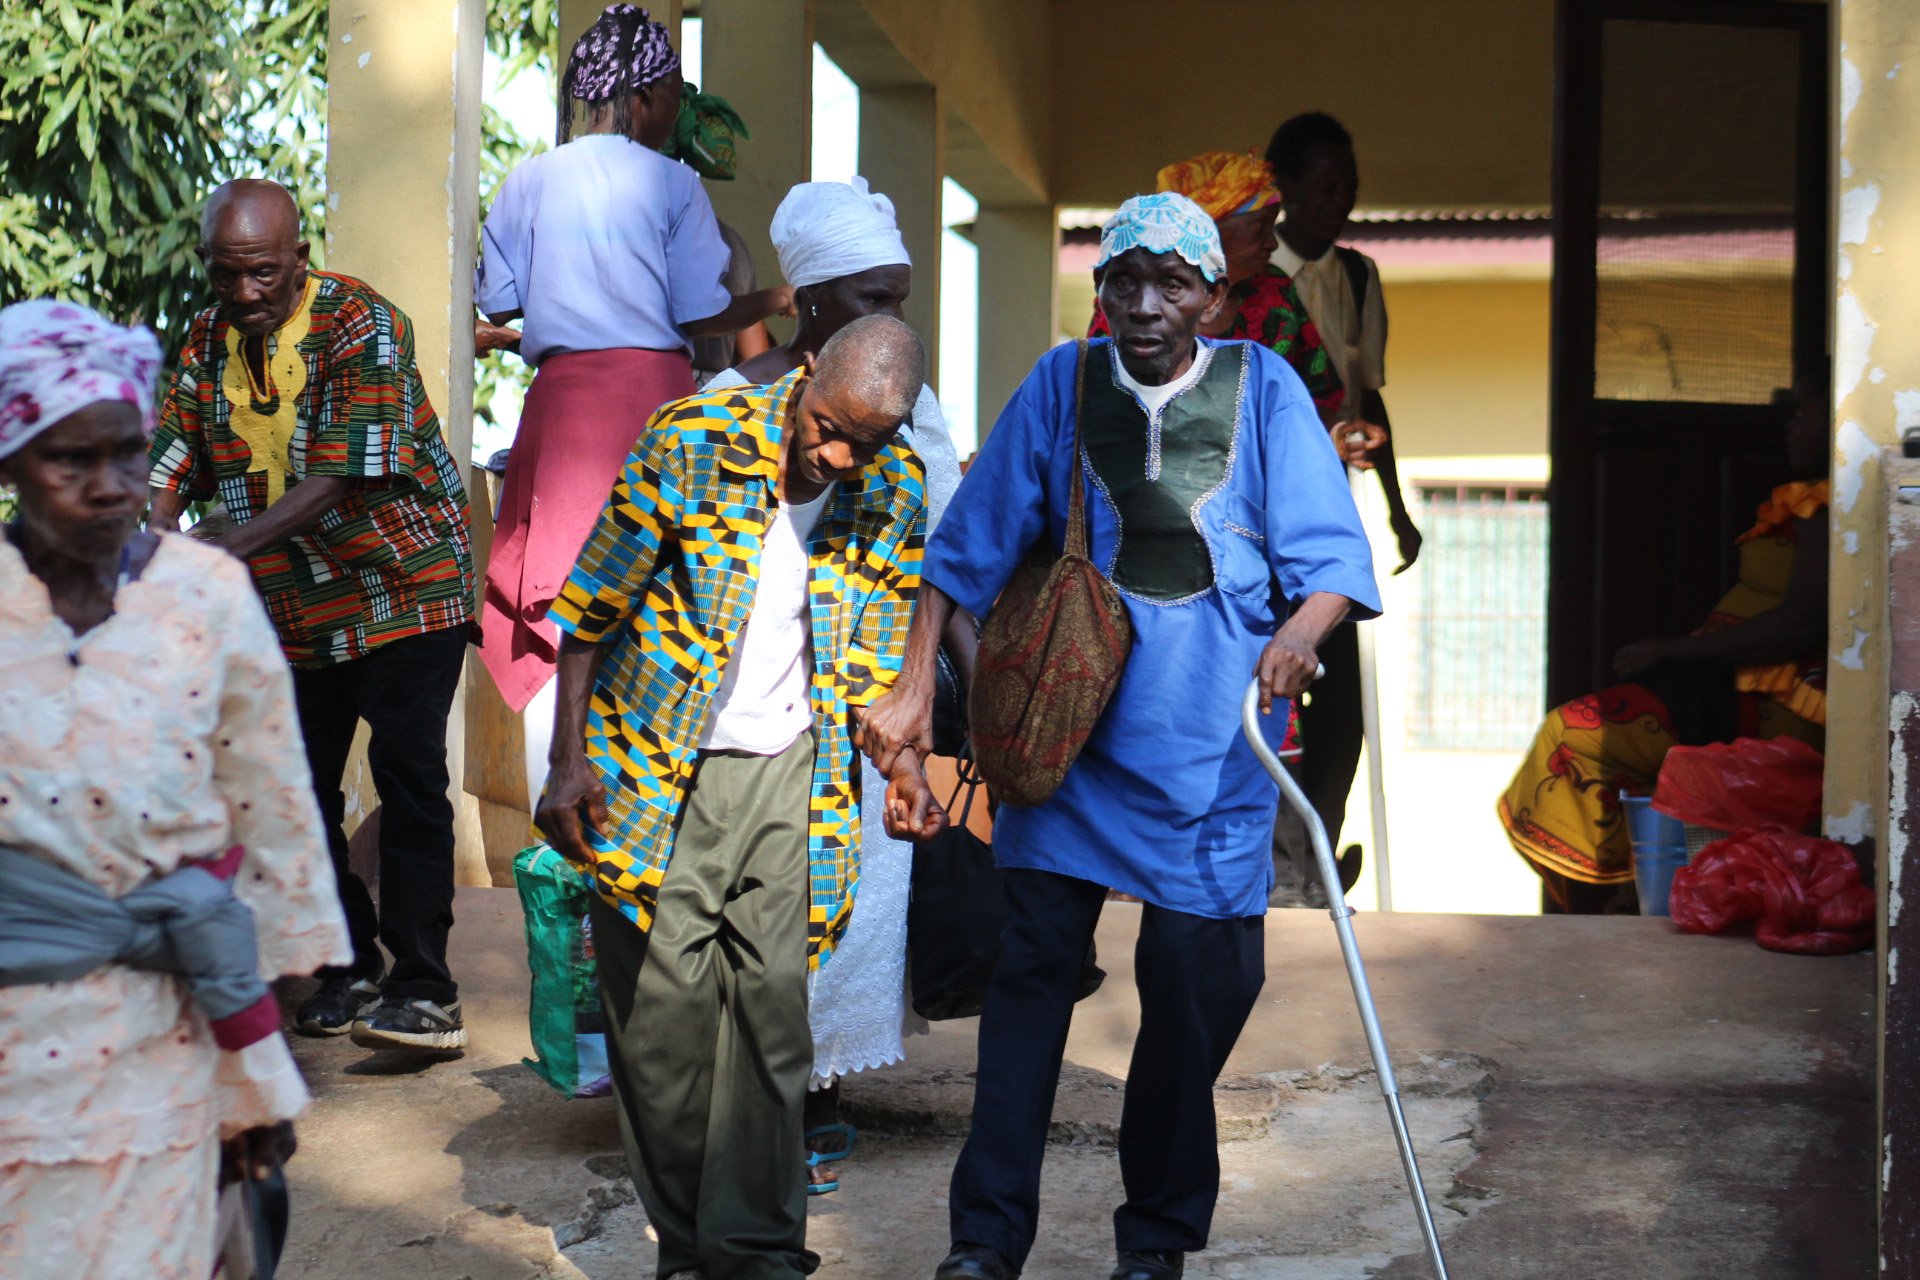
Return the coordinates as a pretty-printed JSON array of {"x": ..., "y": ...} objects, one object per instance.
[
  {"x": 59, "y": 357},
  {"x": 601, "y": 67}
]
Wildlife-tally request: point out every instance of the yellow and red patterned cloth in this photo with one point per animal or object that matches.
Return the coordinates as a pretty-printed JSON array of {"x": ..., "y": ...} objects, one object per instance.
[
  {"x": 1562, "y": 809},
  {"x": 342, "y": 397},
  {"x": 1221, "y": 182}
]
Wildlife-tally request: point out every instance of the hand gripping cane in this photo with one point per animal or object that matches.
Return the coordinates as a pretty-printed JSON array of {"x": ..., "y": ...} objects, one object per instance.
[{"x": 1356, "y": 971}]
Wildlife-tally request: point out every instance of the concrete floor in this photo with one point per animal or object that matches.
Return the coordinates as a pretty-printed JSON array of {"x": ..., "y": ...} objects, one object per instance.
[{"x": 1591, "y": 1098}]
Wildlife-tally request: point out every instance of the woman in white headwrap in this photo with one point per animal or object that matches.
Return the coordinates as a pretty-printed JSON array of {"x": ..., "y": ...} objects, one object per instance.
[
  {"x": 148, "y": 747},
  {"x": 841, "y": 250}
]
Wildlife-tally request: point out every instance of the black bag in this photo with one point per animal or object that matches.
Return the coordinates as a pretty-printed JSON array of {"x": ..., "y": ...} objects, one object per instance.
[
  {"x": 956, "y": 914},
  {"x": 949, "y": 706}
]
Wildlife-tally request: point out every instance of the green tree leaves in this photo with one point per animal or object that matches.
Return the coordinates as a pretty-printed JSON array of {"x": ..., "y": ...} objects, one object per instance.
[{"x": 118, "y": 116}]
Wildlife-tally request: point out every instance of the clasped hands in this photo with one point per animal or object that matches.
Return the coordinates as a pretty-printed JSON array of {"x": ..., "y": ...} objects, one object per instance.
[
  {"x": 896, "y": 733},
  {"x": 574, "y": 804}
]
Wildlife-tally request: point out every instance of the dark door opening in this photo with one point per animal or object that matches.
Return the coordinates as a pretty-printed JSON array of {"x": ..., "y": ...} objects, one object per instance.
[{"x": 1690, "y": 281}]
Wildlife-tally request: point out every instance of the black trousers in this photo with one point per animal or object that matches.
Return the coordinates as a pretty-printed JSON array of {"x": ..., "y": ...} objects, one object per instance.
[
  {"x": 404, "y": 691},
  {"x": 1197, "y": 978},
  {"x": 1332, "y": 731}
]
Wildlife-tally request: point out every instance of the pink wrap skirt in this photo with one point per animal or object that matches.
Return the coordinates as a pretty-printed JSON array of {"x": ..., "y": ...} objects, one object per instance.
[{"x": 583, "y": 416}]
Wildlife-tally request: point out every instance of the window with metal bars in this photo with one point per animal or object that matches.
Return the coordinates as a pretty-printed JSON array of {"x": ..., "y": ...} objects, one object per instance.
[{"x": 1480, "y": 637}]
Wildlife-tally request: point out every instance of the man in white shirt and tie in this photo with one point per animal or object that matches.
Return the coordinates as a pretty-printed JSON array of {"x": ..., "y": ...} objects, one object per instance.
[{"x": 1313, "y": 165}]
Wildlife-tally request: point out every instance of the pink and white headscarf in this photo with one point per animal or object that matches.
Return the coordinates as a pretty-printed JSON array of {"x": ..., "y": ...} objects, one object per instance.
[{"x": 59, "y": 357}]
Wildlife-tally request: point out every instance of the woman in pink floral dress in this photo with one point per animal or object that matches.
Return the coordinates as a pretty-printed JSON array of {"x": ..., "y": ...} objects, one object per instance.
[{"x": 146, "y": 721}]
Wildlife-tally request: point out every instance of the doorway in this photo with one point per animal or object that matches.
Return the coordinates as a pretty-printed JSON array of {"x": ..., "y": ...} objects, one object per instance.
[{"x": 1690, "y": 282}]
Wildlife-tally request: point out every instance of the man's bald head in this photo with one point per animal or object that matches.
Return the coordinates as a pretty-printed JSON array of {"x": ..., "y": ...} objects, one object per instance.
[
  {"x": 255, "y": 259},
  {"x": 877, "y": 361},
  {"x": 861, "y": 392},
  {"x": 251, "y": 208}
]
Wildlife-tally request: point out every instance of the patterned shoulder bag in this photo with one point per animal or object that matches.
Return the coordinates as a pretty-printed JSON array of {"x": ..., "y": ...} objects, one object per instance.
[{"x": 1051, "y": 653}]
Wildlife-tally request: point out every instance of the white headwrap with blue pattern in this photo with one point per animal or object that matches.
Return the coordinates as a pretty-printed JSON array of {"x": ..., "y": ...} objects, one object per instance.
[{"x": 1165, "y": 222}]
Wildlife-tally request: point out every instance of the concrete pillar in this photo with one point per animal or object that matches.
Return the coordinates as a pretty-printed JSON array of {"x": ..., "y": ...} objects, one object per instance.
[
  {"x": 1877, "y": 386},
  {"x": 1877, "y": 397},
  {"x": 1019, "y": 260},
  {"x": 403, "y": 154},
  {"x": 903, "y": 153},
  {"x": 759, "y": 56}
]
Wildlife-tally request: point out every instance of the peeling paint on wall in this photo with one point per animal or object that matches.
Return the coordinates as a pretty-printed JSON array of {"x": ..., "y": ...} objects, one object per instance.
[
  {"x": 1853, "y": 657},
  {"x": 1853, "y": 342},
  {"x": 1852, "y": 450},
  {"x": 1856, "y": 212},
  {"x": 1851, "y": 542},
  {"x": 1851, "y": 827},
  {"x": 365, "y": 58}
]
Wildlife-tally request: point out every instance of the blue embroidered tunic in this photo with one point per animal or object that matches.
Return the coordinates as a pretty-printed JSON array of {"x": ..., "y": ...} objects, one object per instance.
[{"x": 1212, "y": 516}]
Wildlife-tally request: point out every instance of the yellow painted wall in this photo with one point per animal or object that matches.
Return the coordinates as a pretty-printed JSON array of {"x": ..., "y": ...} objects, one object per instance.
[
  {"x": 403, "y": 124},
  {"x": 1467, "y": 367},
  {"x": 1450, "y": 104},
  {"x": 1467, "y": 388}
]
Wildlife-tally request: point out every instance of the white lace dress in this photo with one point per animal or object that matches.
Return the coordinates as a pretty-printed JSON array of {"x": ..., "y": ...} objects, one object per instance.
[
  {"x": 858, "y": 999},
  {"x": 167, "y": 733}
]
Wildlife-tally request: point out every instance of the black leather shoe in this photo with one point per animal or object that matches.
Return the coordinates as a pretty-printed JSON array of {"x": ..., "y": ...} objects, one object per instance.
[
  {"x": 1149, "y": 1264},
  {"x": 974, "y": 1262}
]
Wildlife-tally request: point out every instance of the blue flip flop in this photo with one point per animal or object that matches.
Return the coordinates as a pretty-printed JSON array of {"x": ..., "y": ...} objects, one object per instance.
[
  {"x": 828, "y": 1157},
  {"x": 814, "y": 1161}
]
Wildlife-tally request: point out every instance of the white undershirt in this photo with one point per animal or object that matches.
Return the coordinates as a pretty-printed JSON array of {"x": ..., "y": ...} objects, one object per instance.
[
  {"x": 1154, "y": 398},
  {"x": 762, "y": 703}
]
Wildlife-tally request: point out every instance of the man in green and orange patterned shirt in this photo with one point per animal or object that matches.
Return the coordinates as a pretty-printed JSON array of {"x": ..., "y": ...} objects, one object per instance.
[{"x": 299, "y": 405}]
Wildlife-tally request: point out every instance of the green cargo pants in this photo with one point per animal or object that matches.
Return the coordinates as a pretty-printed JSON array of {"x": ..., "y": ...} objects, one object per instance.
[{"x": 707, "y": 1030}]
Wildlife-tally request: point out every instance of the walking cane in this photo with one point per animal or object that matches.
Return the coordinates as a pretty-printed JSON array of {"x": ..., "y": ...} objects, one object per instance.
[{"x": 1356, "y": 971}]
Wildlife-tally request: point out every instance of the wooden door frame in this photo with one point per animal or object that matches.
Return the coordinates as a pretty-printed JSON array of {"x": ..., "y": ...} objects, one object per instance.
[{"x": 1573, "y": 588}]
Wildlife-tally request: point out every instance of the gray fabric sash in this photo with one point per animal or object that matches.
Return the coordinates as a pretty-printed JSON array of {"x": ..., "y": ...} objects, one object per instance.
[{"x": 55, "y": 927}]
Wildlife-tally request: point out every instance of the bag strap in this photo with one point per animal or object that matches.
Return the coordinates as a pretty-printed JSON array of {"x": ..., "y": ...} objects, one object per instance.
[
  {"x": 1077, "y": 504},
  {"x": 1355, "y": 264},
  {"x": 968, "y": 779}
]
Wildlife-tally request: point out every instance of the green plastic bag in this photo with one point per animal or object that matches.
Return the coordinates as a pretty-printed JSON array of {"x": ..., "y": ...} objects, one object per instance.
[{"x": 564, "y": 1018}]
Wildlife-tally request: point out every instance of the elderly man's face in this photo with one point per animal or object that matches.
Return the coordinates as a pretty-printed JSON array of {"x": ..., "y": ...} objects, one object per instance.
[
  {"x": 1155, "y": 303},
  {"x": 258, "y": 271},
  {"x": 835, "y": 435}
]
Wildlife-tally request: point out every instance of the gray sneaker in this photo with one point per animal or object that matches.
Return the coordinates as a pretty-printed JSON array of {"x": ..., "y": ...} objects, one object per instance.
[{"x": 420, "y": 1025}]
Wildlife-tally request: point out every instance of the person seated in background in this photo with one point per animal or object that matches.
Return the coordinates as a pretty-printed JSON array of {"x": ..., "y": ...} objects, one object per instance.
[
  {"x": 1237, "y": 192},
  {"x": 1754, "y": 669}
]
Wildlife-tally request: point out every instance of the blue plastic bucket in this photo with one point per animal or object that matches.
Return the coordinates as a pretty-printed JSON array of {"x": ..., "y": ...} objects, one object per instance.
[{"x": 1659, "y": 850}]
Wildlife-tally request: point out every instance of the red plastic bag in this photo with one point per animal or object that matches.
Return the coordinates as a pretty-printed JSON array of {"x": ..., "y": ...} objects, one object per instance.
[
  {"x": 1805, "y": 892},
  {"x": 1749, "y": 782}
]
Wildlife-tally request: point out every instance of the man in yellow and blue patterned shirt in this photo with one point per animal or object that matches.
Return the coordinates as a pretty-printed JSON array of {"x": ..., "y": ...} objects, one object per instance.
[{"x": 746, "y": 589}]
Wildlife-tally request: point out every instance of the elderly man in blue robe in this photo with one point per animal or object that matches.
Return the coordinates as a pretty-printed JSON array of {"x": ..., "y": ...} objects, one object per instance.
[{"x": 1219, "y": 509}]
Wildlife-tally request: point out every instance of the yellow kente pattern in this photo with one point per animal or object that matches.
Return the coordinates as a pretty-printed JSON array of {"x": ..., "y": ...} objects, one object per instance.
[
  {"x": 666, "y": 582},
  {"x": 268, "y": 435}
]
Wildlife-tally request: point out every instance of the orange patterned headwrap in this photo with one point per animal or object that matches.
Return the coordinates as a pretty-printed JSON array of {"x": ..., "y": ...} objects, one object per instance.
[{"x": 1222, "y": 182}]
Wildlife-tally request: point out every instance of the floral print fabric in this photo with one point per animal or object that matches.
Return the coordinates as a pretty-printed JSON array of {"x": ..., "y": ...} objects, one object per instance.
[
  {"x": 58, "y": 357},
  {"x": 164, "y": 734}
]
